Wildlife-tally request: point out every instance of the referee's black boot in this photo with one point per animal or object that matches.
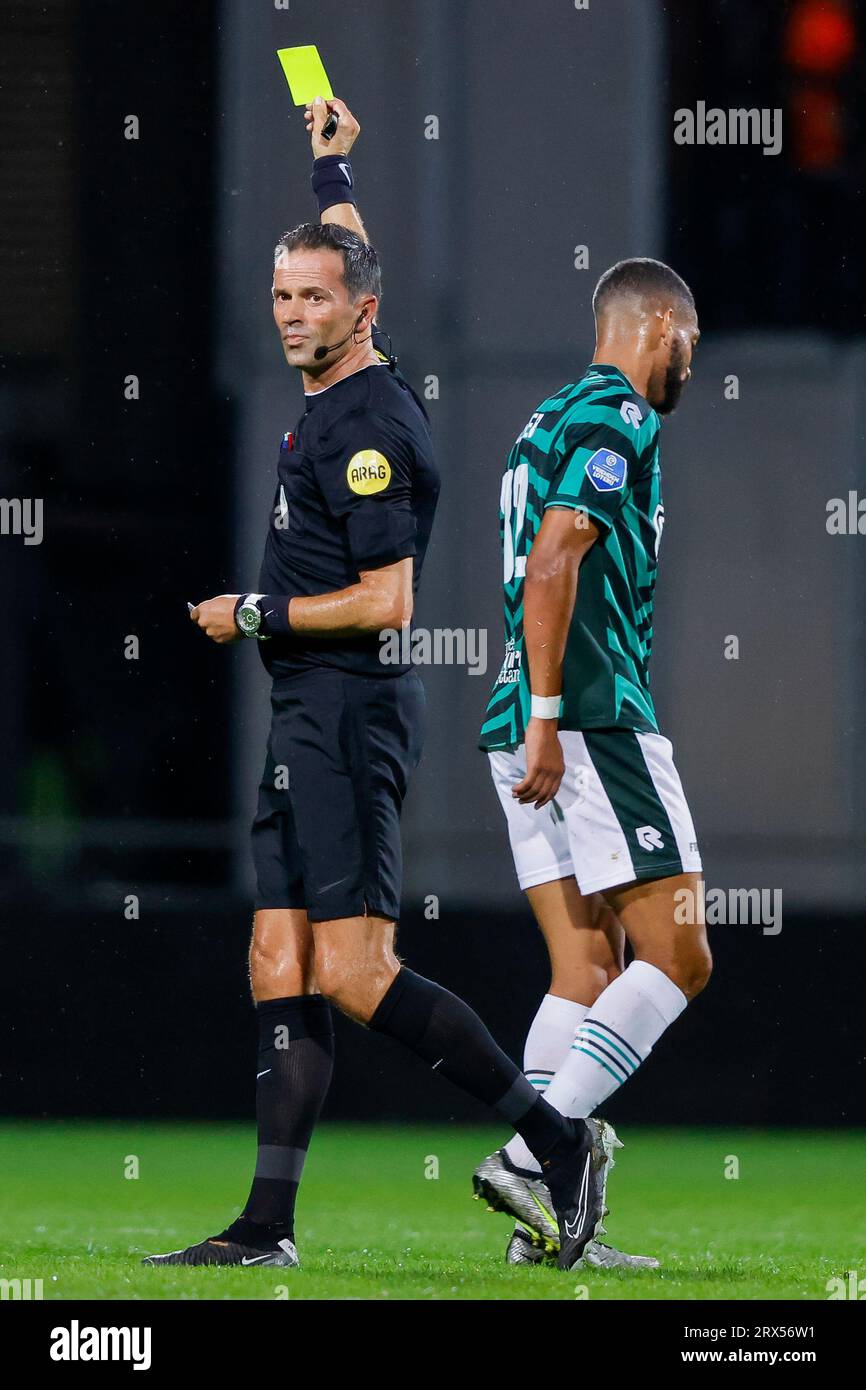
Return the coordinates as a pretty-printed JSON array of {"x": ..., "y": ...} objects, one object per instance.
[
  {"x": 575, "y": 1174},
  {"x": 240, "y": 1244}
]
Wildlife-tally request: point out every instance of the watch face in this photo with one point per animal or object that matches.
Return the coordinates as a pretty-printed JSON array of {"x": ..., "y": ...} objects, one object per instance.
[{"x": 249, "y": 618}]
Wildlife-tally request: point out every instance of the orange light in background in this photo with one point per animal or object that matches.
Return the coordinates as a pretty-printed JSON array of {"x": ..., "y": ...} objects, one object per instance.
[{"x": 821, "y": 37}]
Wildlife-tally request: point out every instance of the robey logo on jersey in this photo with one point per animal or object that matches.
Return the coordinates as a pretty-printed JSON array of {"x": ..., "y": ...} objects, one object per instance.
[{"x": 368, "y": 472}]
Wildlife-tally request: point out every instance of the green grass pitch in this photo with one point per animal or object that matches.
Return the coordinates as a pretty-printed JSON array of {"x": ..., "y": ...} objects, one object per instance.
[{"x": 373, "y": 1225}]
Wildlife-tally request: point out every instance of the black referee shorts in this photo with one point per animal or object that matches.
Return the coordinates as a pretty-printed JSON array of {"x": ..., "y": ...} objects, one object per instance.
[{"x": 326, "y": 836}]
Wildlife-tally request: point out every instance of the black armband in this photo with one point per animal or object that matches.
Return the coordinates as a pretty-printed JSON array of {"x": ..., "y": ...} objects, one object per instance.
[{"x": 332, "y": 181}]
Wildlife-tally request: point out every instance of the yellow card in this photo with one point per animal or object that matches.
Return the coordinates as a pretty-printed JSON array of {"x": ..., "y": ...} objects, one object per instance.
[{"x": 305, "y": 74}]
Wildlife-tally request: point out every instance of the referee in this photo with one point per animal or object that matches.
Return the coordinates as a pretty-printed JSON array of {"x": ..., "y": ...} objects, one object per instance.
[{"x": 353, "y": 510}]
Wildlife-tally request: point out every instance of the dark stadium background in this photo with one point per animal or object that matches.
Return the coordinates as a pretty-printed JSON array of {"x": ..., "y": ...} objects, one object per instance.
[{"x": 152, "y": 257}]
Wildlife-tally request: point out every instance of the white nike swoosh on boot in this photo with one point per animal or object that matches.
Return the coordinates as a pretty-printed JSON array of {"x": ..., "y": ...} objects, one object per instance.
[{"x": 572, "y": 1227}]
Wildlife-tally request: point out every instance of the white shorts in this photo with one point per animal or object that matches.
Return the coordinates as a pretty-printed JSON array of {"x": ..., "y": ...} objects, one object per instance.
[{"x": 619, "y": 815}]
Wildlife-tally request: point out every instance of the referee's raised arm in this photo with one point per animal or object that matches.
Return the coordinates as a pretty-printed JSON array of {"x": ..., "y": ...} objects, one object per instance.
[{"x": 332, "y": 180}]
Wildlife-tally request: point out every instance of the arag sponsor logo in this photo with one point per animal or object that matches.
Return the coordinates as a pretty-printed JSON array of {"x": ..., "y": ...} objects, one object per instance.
[{"x": 368, "y": 471}]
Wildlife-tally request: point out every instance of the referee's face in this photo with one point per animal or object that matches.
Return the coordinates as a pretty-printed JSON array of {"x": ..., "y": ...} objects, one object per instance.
[{"x": 312, "y": 307}]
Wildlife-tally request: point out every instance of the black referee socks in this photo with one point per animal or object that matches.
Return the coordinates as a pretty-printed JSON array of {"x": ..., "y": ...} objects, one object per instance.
[
  {"x": 450, "y": 1036},
  {"x": 295, "y": 1063}
]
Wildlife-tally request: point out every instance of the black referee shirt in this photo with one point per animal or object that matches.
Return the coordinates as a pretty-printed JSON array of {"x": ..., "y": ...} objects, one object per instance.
[{"x": 356, "y": 489}]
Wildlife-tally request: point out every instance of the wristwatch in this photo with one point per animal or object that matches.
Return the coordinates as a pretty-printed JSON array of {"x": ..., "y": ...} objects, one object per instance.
[{"x": 248, "y": 616}]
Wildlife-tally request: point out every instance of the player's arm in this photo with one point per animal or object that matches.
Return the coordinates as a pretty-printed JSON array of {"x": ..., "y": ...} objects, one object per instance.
[
  {"x": 549, "y": 594},
  {"x": 586, "y": 493},
  {"x": 380, "y": 531},
  {"x": 381, "y": 599},
  {"x": 345, "y": 214}
]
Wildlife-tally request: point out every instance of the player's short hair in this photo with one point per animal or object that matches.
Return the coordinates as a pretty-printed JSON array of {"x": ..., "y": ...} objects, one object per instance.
[
  {"x": 361, "y": 271},
  {"x": 641, "y": 278}
]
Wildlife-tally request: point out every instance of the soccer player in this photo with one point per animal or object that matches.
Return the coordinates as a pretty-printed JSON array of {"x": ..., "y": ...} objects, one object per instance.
[
  {"x": 355, "y": 498},
  {"x": 601, "y": 835}
]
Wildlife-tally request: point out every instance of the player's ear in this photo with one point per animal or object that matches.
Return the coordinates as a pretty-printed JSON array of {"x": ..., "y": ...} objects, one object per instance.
[
  {"x": 367, "y": 313},
  {"x": 666, "y": 324}
]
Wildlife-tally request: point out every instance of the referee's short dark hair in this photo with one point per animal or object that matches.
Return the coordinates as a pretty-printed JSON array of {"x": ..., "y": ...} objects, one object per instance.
[
  {"x": 641, "y": 278},
  {"x": 361, "y": 270}
]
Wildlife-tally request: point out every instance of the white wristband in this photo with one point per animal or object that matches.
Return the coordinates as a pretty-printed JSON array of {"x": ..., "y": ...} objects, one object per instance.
[{"x": 545, "y": 706}]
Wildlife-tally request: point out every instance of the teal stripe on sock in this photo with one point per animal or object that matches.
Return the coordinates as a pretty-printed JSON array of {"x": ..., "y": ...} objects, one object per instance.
[
  {"x": 617, "y": 1079},
  {"x": 603, "y": 1037}
]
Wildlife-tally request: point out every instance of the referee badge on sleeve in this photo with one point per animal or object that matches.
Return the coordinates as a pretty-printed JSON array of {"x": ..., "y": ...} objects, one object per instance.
[{"x": 368, "y": 472}]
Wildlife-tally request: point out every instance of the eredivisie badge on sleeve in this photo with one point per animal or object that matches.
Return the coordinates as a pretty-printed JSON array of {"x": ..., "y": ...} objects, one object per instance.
[{"x": 606, "y": 470}]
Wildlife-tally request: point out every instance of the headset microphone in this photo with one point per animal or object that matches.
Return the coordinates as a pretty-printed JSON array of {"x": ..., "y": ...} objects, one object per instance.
[{"x": 322, "y": 352}]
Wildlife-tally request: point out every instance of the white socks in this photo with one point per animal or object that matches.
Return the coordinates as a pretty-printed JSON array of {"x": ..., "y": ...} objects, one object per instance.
[
  {"x": 593, "y": 1050},
  {"x": 617, "y": 1034},
  {"x": 550, "y": 1036}
]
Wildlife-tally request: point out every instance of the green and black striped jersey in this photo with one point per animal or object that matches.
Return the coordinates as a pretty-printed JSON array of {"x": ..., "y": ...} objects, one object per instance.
[{"x": 593, "y": 447}]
